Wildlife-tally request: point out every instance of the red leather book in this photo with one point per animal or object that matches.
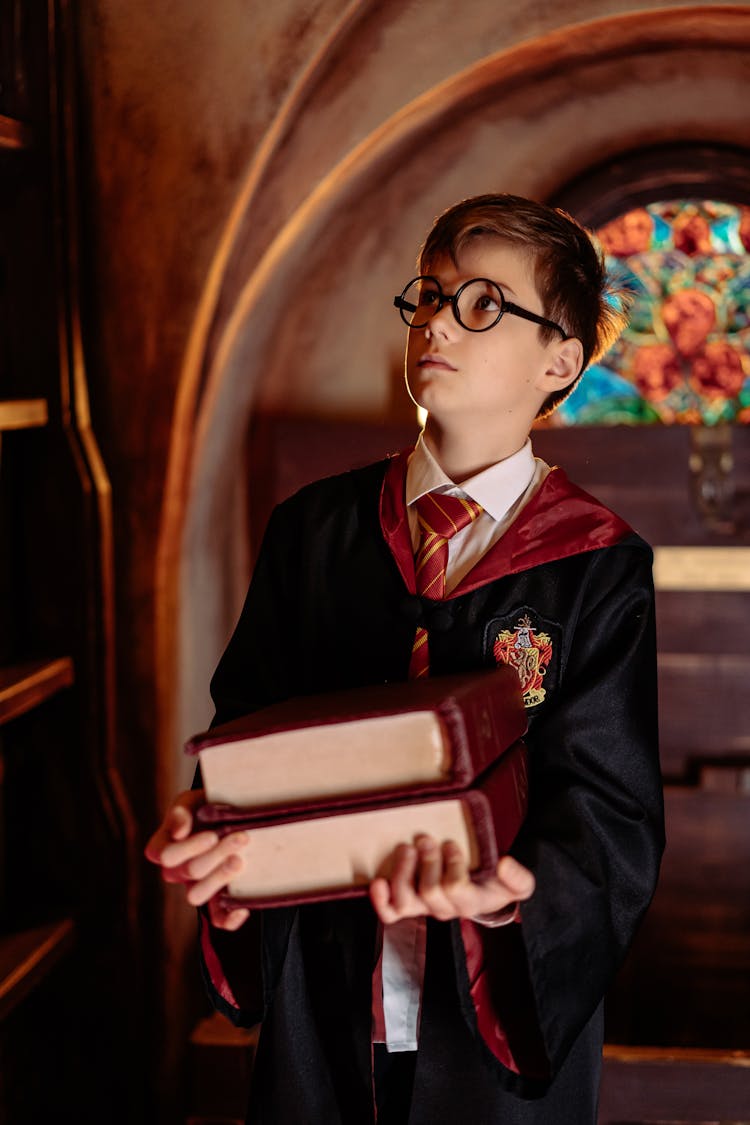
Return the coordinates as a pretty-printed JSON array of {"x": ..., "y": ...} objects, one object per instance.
[
  {"x": 336, "y": 854},
  {"x": 422, "y": 736}
]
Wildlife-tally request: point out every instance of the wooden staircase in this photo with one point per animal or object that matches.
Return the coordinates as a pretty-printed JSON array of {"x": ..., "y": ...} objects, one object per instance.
[
  {"x": 221, "y": 1060},
  {"x": 665, "y": 1086}
]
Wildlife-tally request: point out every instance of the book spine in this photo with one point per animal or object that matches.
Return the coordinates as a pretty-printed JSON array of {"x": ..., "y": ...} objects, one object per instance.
[
  {"x": 306, "y": 898},
  {"x": 498, "y": 806},
  {"x": 482, "y": 724}
]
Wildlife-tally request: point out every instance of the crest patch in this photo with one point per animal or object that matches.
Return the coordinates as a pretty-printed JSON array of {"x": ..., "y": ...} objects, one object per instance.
[{"x": 528, "y": 645}]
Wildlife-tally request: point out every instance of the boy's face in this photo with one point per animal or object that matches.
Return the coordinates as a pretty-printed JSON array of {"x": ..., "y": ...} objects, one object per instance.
[{"x": 493, "y": 379}]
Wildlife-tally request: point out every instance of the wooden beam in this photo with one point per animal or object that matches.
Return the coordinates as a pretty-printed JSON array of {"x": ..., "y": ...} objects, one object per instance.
[
  {"x": 702, "y": 568},
  {"x": 28, "y": 956},
  {"x": 23, "y": 414},
  {"x": 712, "y": 1055},
  {"x": 25, "y": 686},
  {"x": 14, "y": 134}
]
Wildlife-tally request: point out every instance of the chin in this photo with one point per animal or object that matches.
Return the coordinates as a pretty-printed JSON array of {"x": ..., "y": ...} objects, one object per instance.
[
  {"x": 426, "y": 387},
  {"x": 417, "y": 391}
]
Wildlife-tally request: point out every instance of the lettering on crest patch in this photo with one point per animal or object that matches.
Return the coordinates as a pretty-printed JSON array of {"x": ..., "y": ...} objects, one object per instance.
[{"x": 531, "y": 646}]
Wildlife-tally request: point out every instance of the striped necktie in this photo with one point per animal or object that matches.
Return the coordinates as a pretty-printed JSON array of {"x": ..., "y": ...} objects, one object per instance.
[{"x": 440, "y": 517}]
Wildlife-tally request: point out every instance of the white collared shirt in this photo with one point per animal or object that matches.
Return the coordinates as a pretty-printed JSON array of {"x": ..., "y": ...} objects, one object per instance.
[{"x": 503, "y": 490}]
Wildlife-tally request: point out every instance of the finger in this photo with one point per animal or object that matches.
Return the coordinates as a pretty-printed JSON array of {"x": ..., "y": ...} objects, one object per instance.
[
  {"x": 380, "y": 897},
  {"x": 175, "y": 875},
  {"x": 226, "y": 917},
  {"x": 517, "y": 878},
  {"x": 470, "y": 901},
  {"x": 433, "y": 883},
  {"x": 180, "y": 852},
  {"x": 156, "y": 845},
  {"x": 455, "y": 866},
  {"x": 159, "y": 841},
  {"x": 403, "y": 893},
  {"x": 430, "y": 863},
  {"x": 429, "y": 878},
  {"x": 179, "y": 822},
  {"x": 207, "y": 860},
  {"x": 204, "y": 889},
  {"x": 469, "y": 898}
]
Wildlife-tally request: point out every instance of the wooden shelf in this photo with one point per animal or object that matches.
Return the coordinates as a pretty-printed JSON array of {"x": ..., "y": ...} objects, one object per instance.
[
  {"x": 710, "y": 1055},
  {"x": 23, "y": 413},
  {"x": 25, "y": 686},
  {"x": 27, "y": 957},
  {"x": 14, "y": 134}
]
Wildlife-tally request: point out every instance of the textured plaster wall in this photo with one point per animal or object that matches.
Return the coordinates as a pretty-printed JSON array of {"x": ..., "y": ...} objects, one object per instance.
[
  {"x": 390, "y": 53},
  {"x": 174, "y": 101},
  {"x": 529, "y": 139}
]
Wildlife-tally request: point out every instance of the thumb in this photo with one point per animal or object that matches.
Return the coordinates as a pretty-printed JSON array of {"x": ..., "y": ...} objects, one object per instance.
[
  {"x": 516, "y": 877},
  {"x": 179, "y": 822}
]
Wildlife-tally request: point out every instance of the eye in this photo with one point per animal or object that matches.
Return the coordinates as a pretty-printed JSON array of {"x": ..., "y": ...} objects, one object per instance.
[
  {"x": 487, "y": 302},
  {"x": 480, "y": 304},
  {"x": 428, "y": 298}
]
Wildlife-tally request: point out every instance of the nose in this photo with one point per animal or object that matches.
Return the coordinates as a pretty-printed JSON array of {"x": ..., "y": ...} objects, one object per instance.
[{"x": 444, "y": 320}]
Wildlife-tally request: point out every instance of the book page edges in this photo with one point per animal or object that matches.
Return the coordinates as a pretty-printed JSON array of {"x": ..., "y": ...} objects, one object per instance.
[
  {"x": 346, "y": 850},
  {"x": 336, "y": 759}
]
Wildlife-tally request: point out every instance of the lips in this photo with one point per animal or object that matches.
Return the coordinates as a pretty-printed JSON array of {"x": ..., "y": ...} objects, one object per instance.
[{"x": 434, "y": 359}]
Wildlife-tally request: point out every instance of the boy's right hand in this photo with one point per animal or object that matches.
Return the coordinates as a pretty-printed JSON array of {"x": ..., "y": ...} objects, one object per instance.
[{"x": 203, "y": 862}]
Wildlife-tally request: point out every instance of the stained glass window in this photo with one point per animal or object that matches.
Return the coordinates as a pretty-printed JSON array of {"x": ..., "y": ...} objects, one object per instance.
[{"x": 685, "y": 356}]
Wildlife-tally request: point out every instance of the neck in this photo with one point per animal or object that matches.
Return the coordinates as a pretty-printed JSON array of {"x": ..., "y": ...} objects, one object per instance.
[{"x": 461, "y": 456}]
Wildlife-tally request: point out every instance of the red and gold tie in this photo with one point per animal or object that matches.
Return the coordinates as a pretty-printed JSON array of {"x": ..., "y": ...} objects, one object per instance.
[{"x": 440, "y": 517}]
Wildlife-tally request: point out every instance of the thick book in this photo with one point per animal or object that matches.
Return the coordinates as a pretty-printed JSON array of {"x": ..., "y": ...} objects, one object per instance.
[
  {"x": 336, "y": 854},
  {"x": 428, "y": 736}
]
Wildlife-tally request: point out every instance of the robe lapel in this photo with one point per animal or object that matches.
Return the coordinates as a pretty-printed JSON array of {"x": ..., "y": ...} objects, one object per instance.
[{"x": 559, "y": 521}]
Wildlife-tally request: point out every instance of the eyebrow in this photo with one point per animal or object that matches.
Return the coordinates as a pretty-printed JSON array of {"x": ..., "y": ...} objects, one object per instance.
[{"x": 502, "y": 284}]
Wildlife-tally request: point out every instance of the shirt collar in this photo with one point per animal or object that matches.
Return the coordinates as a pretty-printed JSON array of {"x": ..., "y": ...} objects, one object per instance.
[{"x": 496, "y": 488}]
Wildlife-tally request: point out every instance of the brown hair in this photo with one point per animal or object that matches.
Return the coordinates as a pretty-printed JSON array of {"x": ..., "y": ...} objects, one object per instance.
[{"x": 569, "y": 271}]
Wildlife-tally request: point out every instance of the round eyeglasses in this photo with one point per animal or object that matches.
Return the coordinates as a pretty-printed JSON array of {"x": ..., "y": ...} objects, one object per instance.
[{"x": 478, "y": 305}]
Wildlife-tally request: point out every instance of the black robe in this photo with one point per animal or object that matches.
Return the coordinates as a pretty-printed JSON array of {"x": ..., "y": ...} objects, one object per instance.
[{"x": 511, "y": 1024}]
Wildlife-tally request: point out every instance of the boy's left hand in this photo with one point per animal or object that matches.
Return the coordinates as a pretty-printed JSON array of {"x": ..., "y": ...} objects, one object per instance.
[{"x": 429, "y": 878}]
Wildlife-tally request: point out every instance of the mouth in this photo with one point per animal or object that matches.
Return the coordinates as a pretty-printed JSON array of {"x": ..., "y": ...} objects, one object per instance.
[{"x": 434, "y": 359}]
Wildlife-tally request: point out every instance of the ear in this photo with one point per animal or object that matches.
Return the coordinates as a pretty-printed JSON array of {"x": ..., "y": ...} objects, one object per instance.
[{"x": 563, "y": 366}]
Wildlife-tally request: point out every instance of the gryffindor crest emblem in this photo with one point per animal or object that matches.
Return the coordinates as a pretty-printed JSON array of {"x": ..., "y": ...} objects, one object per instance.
[{"x": 529, "y": 652}]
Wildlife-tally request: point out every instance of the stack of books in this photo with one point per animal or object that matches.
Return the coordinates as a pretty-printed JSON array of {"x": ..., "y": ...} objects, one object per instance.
[{"x": 329, "y": 785}]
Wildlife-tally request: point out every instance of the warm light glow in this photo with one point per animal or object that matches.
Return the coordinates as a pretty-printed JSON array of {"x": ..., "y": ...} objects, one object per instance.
[{"x": 702, "y": 568}]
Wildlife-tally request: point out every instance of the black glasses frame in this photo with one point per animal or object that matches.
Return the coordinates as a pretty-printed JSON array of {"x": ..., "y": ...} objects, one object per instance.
[{"x": 405, "y": 307}]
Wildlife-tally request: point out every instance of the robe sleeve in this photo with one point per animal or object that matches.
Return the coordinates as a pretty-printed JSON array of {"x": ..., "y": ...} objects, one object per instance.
[
  {"x": 593, "y": 837},
  {"x": 256, "y": 668}
]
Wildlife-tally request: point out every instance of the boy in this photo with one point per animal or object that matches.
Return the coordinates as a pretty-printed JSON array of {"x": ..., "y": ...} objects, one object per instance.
[{"x": 476, "y": 1003}]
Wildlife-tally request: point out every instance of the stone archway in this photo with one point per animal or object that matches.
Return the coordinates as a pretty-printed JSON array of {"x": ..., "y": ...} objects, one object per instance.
[{"x": 525, "y": 119}]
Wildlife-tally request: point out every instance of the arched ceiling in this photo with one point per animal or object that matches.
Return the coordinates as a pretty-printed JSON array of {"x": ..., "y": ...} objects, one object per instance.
[{"x": 524, "y": 120}]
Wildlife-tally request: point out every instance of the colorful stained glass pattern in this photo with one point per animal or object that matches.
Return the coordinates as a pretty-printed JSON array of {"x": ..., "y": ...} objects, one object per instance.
[{"x": 685, "y": 356}]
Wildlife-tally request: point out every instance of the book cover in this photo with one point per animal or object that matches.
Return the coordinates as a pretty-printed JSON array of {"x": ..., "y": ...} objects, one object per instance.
[{"x": 425, "y": 736}]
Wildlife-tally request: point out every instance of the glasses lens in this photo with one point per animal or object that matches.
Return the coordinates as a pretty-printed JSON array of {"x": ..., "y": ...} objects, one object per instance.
[
  {"x": 480, "y": 305},
  {"x": 419, "y": 301}
]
